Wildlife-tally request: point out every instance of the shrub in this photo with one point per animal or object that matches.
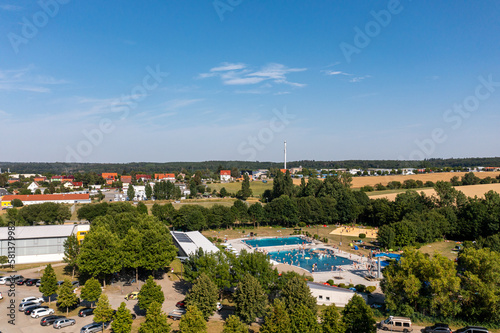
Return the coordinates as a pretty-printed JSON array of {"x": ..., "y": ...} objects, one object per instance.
[
  {"x": 342, "y": 285},
  {"x": 362, "y": 236},
  {"x": 360, "y": 288},
  {"x": 316, "y": 237},
  {"x": 330, "y": 282},
  {"x": 325, "y": 240},
  {"x": 370, "y": 289},
  {"x": 302, "y": 224}
]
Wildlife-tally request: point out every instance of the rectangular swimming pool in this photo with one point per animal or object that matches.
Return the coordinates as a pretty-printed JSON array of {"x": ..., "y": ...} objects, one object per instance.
[
  {"x": 278, "y": 241},
  {"x": 322, "y": 260}
]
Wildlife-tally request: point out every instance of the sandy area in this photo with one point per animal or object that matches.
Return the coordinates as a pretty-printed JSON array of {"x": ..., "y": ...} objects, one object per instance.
[
  {"x": 355, "y": 231},
  {"x": 358, "y": 182},
  {"x": 470, "y": 191}
]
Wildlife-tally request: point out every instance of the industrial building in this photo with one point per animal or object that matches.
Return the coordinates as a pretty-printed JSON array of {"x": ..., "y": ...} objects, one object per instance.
[
  {"x": 188, "y": 243},
  {"x": 42, "y": 243},
  {"x": 326, "y": 294},
  {"x": 42, "y": 198}
]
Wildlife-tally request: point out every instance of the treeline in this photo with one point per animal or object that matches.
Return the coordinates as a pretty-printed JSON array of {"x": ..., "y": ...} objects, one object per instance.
[
  {"x": 48, "y": 212},
  {"x": 147, "y": 167},
  {"x": 435, "y": 287}
]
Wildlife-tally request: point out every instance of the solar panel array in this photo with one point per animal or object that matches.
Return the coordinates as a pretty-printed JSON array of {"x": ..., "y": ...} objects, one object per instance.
[{"x": 182, "y": 238}]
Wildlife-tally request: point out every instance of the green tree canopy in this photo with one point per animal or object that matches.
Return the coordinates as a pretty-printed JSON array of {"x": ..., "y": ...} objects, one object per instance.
[
  {"x": 330, "y": 320},
  {"x": 91, "y": 290},
  {"x": 66, "y": 298},
  {"x": 233, "y": 324},
  {"x": 103, "y": 311},
  {"x": 71, "y": 251},
  {"x": 150, "y": 292},
  {"x": 357, "y": 317},
  {"x": 122, "y": 322},
  {"x": 48, "y": 282},
  {"x": 156, "y": 320},
  {"x": 204, "y": 295},
  {"x": 250, "y": 299},
  {"x": 193, "y": 321},
  {"x": 277, "y": 319}
]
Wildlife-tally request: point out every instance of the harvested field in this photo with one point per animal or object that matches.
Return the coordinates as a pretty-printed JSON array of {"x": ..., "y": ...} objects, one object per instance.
[
  {"x": 470, "y": 191},
  {"x": 358, "y": 182}
]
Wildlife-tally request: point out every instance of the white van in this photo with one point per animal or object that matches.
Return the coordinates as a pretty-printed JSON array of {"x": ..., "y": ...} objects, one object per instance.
[{"x": 396, "y": 324}]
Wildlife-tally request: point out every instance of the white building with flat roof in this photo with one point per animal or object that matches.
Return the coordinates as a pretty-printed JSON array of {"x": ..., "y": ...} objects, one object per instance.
[
  {"x": 326, "y": 295},
  {"x": 188, "y": 243}
]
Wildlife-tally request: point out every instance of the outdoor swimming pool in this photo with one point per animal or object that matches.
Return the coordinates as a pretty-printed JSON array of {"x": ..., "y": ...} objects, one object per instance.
[
  {"x": 385, "y": 263},
  {"x": 324, "y": 260},
  {"x": 278, "y": 241}
]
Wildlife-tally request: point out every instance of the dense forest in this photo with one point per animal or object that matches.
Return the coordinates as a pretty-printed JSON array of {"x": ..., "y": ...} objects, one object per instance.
[{"x": 151, "y": 167}]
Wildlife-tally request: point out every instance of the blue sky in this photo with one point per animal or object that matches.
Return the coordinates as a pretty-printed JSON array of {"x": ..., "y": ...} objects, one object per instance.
[{"x": 122, "y": 81}]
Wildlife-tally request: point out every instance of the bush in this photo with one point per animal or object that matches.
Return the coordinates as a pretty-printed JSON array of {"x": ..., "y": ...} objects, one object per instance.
[
  {"x": 16, "y": 203},
  {"x": 350, "y": 286},
  {"x": 325, "y": 240},
  {"x": 330, "y": 282},
  {"x": 362, "y": 236},
  {"x": 342, "y": 285},
  {"x": 360, "y": 288},
  {"x": 370, "y": 289},
  {"x": 302, "y": 224},
  {"x": 316, "y": 237}
]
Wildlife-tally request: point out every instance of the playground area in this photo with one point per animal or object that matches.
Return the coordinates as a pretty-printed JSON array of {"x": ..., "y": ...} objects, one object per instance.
[{"x": 354, "y": 231}]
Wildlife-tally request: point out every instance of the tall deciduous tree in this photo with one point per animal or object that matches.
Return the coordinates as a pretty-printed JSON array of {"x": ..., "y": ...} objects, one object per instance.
[
  {"x": 156, "y": 320},
  {"x": 141, "y": 208},
  {"x": 193, "y": 321},
  {"x": 357, "y": 317},
  {"x": 122, "y": 322},
  {"x": 277, "y": 319},
  {"x": 150, "y": 292},
  {"x": 131, "y": 192},
  {"x": 131, "y": 248},
  {"x": 103, "y": 311},
  {"x": 71, "y": 251},
  {"x": 149, "y": 191},
  {"x": 251, "y": 300},
  {"x": 203, "y": 295},
  {"x": 304, "y": 319},
  {"x": 48, "y": 282},
  {"x": 297, "y": 292},
  {"x": 99, "y": 254},
  {"x": 66, "y": 298},
  {"x": 233, "y": 324},
  {"x": 91, "y": 291},
  {"x": 245, "y": 191}
]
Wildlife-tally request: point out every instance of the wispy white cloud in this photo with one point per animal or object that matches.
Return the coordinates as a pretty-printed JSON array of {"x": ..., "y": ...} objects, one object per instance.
[
  {"x": 241, "y": 74},
  {"x": 329, "y": 72},
  {"x": 24, "y": 80},
  {"x": 10, "y": 8},
  {"x": 357, "y": 79}
]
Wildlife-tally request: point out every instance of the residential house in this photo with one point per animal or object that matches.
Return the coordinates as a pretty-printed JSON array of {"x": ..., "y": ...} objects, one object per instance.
[
  {"x": 33, "y": 187},
  {"x": 13, "y": 180},
  {"x": 40, "y": 179},
  {"x": 225, "y": 175},
  {"x": 110, "y": 175},
  {"x": 143, "y": 177},
  {"x": 126, "y": 179},
  {"x": 165, "y": 176}
]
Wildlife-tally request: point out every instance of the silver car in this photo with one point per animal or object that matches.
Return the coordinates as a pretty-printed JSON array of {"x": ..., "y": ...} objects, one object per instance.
[{"x": 64, "y": 322}]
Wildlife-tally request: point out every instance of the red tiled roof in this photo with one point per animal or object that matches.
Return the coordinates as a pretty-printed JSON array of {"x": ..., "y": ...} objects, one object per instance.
[
  {"x": 46, "y": 197},
  {"x": 143, "y": 176},
  {"x": 225, "y": 172},
  {"x": 77, "y": 183}
]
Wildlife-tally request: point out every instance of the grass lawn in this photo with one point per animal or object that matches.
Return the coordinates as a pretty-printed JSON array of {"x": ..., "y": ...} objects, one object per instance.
[
  {"x": 444, "y": 248},
  {"x": 401, "y": 190}
]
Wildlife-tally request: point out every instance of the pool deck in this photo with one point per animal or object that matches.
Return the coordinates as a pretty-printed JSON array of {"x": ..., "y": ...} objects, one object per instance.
[{"x": 354, "y": 274}]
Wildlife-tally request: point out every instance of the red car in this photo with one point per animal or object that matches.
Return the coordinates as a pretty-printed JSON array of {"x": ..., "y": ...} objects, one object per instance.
[{"x": 181, "y": 304}]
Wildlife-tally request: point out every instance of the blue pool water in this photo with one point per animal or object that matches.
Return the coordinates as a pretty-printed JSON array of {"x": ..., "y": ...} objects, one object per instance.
[
  {"x": 388, "y": 255},
  {"x": 323, "y": 259},
  {"x": 279, "y": 241}
]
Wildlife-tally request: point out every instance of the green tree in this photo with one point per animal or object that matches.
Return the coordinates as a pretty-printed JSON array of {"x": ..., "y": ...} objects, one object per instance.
[
  {"x": 330, "y": 320},
  {"x": 91, "y": 290},
  {"x": 250, "y": 299},
  {"x": 297, "y": 292},
  {"x": 66, "y": 298},
  {"x": 48, "y": 282},
  {"x": 131, "y": 249},
  {"x": 158, "y": 249},
  {"x": 204, "y": 295},
  {"x": 233, "y": 324},
  {"x": 277, "y": 319},
  {"x": 149, "y": 191},
  {"x": 150, "y": 292},
  {"x": 304, "y": 319},
  {"x": 131, "y": 192},
  {"x": 122, "y": 322},
  {"x": 357, "y": 317},
  {"x": 193, "y": 321},
  {"x": 99, "y": 253},
  {"x": 103, "y": 311},
  {"x": 245, "y": 191},
  {"x": 71, "y": 251},
  {"x": 141, "y": 208},
  {"x": 156, "y": 320},
  {"x": 16, "y": 203},
  {"x": 223, "y": 192},
  {"x": 38, "y": 191}
]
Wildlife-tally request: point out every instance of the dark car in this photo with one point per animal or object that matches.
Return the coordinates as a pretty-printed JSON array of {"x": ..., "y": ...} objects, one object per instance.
[
  {"x": 437, "y": 328},
  {"x": 31, "y": 282},
  {"x": 75, "y": 284},
  {"x": 20, "y": 282},
  {"x": 85, "y": 312},
  {"x": 129, "y": 282},
  {"x": 181, "y": 304},
  {"x": 49, "y": 320},
  {"x": 472, "y": 329},
  {"x": 30, "y": 309}
]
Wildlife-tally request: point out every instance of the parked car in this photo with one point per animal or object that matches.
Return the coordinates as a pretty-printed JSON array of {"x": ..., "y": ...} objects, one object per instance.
[
  {"x": 63, "y": 322},
  {"x": 176, "y": 314},
  {"x": 219, "y": 306},
  {"x": 23, "y": 306},
  {"x": 181, "y": 304},
  {"x": 93, "y": 327},
  {"x": 31, "y": 282},
  {"x": 472, "y": 329},
  {"x": 49, "y": 320},
  {"x": 437, "y": 328},
  {"x": 20, "y": 282},
  {"x": 75, "y": 284},
  {"x": 15, "y": 278},
  {"x": 41, "y": 312},
  {"x": 60, "y": 282},
  {"x": 85, "y": 312},
  {"x": 132, "y": 295},
  {"x": 1, "y": 297},
  {"x": 38, "y": 283},
  {"x": 33, "y": 299},
  {"x": 129, "y": 282},
  {"x": 396, "y": 324},
  {"x": 29, "y": 310}
]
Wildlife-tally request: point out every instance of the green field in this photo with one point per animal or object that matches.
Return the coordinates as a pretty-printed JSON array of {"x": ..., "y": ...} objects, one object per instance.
[
  {"x": 401, "y": 190},
  {"x": 444, "y": 248},
  {"x": 257, "y": 187}
]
